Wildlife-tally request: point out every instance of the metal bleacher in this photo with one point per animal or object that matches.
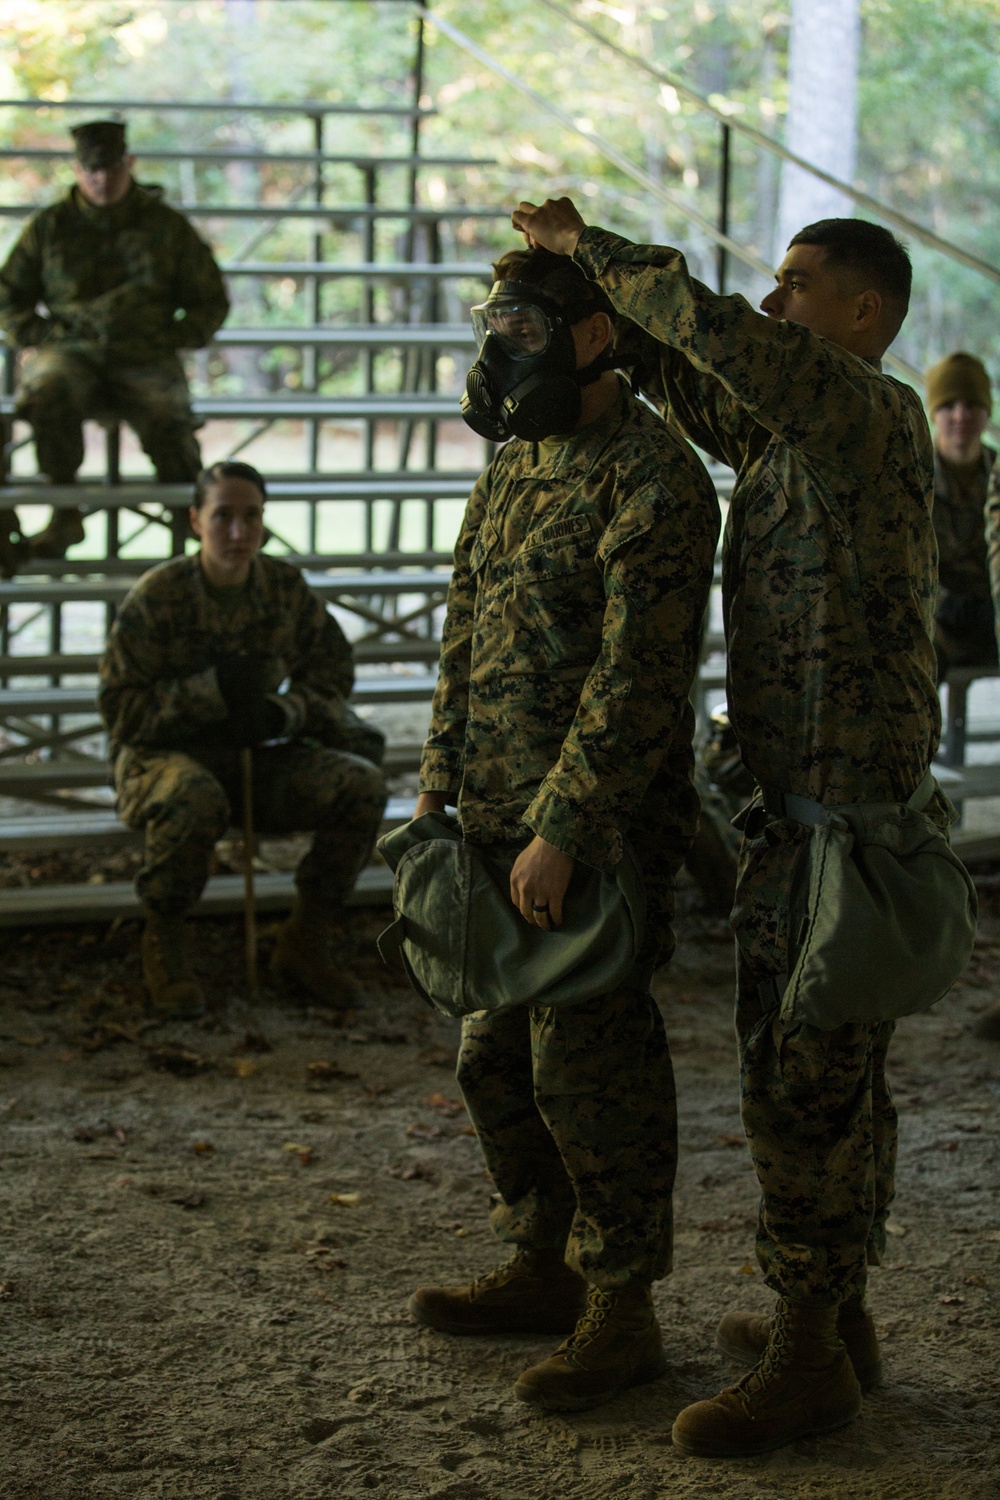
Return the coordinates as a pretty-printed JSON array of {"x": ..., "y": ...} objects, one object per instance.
[
  {"x": 377, "y": 280},
  {"x": 372, "y": 278}
]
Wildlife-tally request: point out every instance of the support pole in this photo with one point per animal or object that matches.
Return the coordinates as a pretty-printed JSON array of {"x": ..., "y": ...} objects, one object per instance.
[
  {"x": 249, "y": 914},
  {"x": 721, "y": 253}
]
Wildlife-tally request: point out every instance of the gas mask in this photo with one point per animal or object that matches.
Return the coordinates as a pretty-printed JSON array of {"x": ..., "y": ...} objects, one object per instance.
[{"x": 525, "y": 382}]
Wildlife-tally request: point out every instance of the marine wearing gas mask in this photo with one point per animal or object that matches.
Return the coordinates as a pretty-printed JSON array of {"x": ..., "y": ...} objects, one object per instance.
[{"x": 525, "y": 382}]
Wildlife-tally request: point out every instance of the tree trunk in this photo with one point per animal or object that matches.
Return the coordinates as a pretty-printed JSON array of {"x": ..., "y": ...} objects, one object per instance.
[{"x": 822, "y": 112}]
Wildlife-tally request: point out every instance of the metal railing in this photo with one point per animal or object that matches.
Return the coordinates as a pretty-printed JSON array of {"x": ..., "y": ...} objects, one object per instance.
[{"x": 717, "y": 231}]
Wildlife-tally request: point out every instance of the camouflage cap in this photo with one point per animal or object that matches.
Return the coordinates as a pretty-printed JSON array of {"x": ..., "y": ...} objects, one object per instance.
[{"x": 99, "y": 143}]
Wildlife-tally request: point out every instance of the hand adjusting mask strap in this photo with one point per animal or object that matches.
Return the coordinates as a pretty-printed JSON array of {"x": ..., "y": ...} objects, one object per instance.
[{"x": 525, "y": 382}]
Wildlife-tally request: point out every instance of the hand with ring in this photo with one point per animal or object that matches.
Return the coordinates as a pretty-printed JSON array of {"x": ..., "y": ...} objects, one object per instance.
[{"x": 538, "y": 883}]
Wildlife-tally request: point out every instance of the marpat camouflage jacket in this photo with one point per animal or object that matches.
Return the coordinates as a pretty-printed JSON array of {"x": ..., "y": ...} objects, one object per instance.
[
  {"x": 112, "y": 280},
  {"x": 582, "y": 571},
  {"x": 960, "y": 528},
  {"x": 829, "y": 558},
  {"x": 158, "y": 685}
]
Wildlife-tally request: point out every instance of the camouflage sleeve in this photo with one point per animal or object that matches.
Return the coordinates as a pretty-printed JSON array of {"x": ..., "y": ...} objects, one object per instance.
[
  {"x": 139, "y": 704},
  {"x": 199, "y": 291},
  {"x": 21, "y": 291},
  {"x": 444, "y": 750},
  {"x": 778, "y": 371},
  {"x": 992, "y": 519},
  {"x": 656, "y": 555},
  {"x": 696, "y": 404},
  {"x": 322, "y": 672}
]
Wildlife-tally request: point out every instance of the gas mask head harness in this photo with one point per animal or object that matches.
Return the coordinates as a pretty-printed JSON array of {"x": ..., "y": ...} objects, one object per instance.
[{"x": 524, "y": 382}]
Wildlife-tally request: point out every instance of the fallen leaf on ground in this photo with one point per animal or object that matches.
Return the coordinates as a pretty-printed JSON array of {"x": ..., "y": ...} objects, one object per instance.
[
  {"x": 295, "y": 1146},
  {"x": 345, "y": 1200},
  {"x": 189, "y": 1200},
  {"x": 244, "y": 1067},
  {"x": 7, "y": 1290},
  {"x": 420, "y": 1131},
  {"x": 952, "y": 1301},
  {"x": 976, "y": 1280},
  {"x": 448, "y": 1107},
  {"x": 254, "y": 1041},
  {"x": 179, "y": 1060},
  {"x": 413, "y": 1171},
  {"x": 730, "y": 1140},
  {"x": 323, "y": 1071},
  {"x": 437, "y": 1057},
  {"x": 748, "y": 1270},
  {"x": 900, "y": 1230},
  {"x": 202, "y": 1148}
]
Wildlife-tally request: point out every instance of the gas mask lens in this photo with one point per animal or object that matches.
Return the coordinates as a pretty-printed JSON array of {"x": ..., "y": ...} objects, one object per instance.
[{"x": 522, "y": 330}]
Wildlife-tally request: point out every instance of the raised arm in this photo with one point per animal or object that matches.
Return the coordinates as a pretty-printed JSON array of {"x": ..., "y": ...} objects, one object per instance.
[{"x": 798, "y": 386}]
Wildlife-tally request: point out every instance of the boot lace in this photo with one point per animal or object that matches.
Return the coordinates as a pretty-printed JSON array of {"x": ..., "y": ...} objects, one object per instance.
[
  {"x": 591, "y": 1321},
  {"x": 500, "y": 1275},
  {"x": 771, "y": 1362}
]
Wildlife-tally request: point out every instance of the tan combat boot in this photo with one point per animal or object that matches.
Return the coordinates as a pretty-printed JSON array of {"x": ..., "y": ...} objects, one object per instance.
[
  {"x": 804, "y": 1384},
  {"x": 616, "y": 1344},
  {"x": 173, "y": 989},
  {"x": 533, "y": 1292},
  {"x": 64, "y": 530},
  {"x": 743, "y": 1336},
  {"x": 302, "y": 957}
]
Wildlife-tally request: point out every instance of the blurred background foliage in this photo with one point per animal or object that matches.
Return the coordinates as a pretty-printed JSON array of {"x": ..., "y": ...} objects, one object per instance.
[{"x": 928, "y": 127}]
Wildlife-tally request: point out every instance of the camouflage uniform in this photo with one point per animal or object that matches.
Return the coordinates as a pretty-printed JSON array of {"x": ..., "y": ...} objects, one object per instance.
[
  {"x": 113, "y": 280},
  {"x": 964, "y": 634},
  {"x": 581, "y": 575},
  {"x": 178, "y": 776},
  {"x": 829, "y": 579}
]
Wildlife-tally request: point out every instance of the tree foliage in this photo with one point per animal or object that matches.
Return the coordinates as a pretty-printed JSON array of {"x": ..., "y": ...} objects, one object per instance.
[{"x": 929, "y": 117}]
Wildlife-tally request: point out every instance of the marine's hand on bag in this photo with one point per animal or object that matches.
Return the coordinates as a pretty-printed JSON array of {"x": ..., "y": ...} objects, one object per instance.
[
  {"x": 430, "y": 802},
  {"x": 556, "y": 226},
  {"x": 538, "y": 883}
]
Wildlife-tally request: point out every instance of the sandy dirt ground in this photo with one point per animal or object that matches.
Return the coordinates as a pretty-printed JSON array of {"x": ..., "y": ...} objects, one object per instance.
[{"x": 210, "y": 1230}]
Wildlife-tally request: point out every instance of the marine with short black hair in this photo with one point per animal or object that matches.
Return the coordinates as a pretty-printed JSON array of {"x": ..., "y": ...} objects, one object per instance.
[
  {"x": 561, "y": 728},
  {"x": 829, "y": 582},
  {"x": 124, "y": 284},
  {"x": 210, "y": 654}
]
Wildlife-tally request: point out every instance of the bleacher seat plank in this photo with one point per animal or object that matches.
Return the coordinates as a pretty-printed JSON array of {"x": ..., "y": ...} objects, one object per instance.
[
  {"x": 102, "y": 828},
  {"x": 327, "y": 585},
  {"x": 372, "y": 335},
  {"x": 31, "y": 906}
]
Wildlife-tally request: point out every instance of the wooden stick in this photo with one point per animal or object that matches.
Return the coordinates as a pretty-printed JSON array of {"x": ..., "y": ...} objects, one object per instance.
[{"x": 249, "y": 914}]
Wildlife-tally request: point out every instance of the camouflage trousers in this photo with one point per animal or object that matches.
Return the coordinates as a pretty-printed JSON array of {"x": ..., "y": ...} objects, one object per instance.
[
  {"x": 576, "y": 1115},
  {"x": 184, "y": 803},
  {"x": 60, "y": 388},
  {"x": 817, "y": 1110}
]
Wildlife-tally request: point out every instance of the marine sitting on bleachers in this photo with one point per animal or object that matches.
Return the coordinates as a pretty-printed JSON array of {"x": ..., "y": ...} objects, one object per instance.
[
  {"x": 190, "y": 676},
  {"x": 125, "y": 282}
]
